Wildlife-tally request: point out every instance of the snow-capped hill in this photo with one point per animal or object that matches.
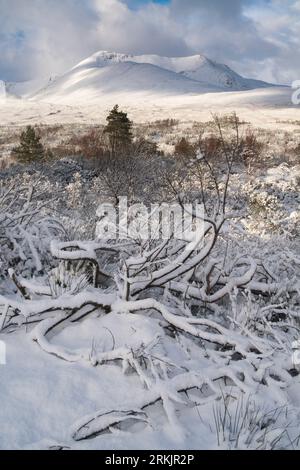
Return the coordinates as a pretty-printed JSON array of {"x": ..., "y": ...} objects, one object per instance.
[
  {"x": 109, "y": 73},
  {"x": 103, "y": 58},
  {"x": 87, "y": 82},
  {"x": 22, "y": 89},
  {"x": 197, "y": 67},
  {"x": 204, "y": 69}
]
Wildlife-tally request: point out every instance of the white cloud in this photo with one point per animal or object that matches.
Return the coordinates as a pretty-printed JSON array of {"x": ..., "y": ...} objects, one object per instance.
[
  {"x": 258, "y": 38},
  {"x": 147, "y": 30}
]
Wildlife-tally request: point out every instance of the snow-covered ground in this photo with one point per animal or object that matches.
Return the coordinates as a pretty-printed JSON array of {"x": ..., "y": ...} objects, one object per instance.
[
  {"x": 186, "y": 344},
  {"x": 44, "y": 399},
  {"x": 114, "y": 379},
  {"x": 266, "y": 108},
  {"x": 149, "y": 87}
]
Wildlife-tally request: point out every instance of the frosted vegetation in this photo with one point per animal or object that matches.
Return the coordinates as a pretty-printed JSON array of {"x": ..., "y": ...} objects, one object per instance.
[{"x": 144, "y": 343}]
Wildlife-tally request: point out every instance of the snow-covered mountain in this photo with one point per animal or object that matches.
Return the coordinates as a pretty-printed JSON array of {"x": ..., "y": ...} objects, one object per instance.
[
  {"x": 107, "y": 73},
  {"x": 22, "y": 89},
  {"x": 89, "y": 83},
  {"x": 197, "y": 67}
]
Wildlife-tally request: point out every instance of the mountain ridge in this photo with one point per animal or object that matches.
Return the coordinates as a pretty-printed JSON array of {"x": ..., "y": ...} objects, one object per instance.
[
  {"x": 196, "y": 67},
  {"x": 112, "y": 73}
]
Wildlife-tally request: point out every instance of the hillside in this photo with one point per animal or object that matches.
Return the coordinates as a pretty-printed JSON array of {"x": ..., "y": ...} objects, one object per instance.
[
  {"x": 150, "y": 87},
  {"x": 197, "y": 67},
  {"x": 105, "y": 73},
  {"x": 90, "y": 82}
]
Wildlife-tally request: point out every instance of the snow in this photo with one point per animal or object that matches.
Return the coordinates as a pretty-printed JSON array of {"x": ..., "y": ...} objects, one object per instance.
[
  {"x": 2, "y": 90},
  {"x": 44, "y": 400},
  {"x": 35, "y": 390},
  {"x": 264, "y": 108},
  {"x": 22, "y": 89},
  {"x": 197, "y": 67},
  {"x": 180, "y": 331},
  {"x": 25, "y": 89},
  {"x": 30, "y": 308},
  {"x": 149, "y": 86},
  {"x": 91, "y": 82},
  {"x": 106, "y": 73}
]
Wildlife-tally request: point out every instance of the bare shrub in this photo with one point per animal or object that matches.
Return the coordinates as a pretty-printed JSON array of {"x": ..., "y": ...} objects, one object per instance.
[
  {"x": 211, "y": 146},
  {"x": 251, "y": 147},
  {"x": 91, "y": 145},
  {"x": 184, "y": 149},
  {"x": 216, "y": 143}
]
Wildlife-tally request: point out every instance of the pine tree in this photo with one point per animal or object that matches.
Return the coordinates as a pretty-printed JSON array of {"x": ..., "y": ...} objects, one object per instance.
[
  {"x": 119, "y": 130},
  {"x": 30, "y": 148}
]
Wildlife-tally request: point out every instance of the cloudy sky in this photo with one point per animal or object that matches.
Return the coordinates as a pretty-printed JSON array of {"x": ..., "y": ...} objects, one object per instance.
[{"x": 258, "y": 38}]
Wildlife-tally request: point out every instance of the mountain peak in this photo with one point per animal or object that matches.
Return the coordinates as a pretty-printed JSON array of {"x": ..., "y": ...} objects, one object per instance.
[
  {"x": 101, "y": 58},
  {"x": 196, "y": 67},
  {"x": 106, "y": 73}
]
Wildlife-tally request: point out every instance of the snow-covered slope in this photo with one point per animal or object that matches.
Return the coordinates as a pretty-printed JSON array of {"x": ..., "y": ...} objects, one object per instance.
[
  {"x": 22, "y": 89},
  {"x": 196, "y": 67},
  {"x": 107, "y": 73},
  {"x": 91, "y": 81},
  {"x": 2, "y": 89}
]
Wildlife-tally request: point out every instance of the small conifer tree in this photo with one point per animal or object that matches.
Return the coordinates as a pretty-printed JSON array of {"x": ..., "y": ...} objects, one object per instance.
[
  {"x": 119, "y": 131},
  {"x": 30, "y": 148}
]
